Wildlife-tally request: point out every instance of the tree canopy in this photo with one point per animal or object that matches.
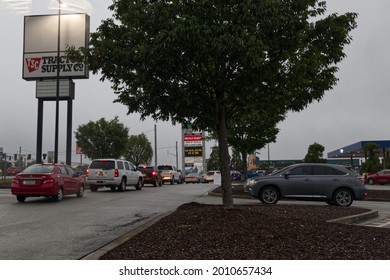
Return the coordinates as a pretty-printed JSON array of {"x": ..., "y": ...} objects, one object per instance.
[
  {"x": 209, "y": 61},
  {"x": 139, "y": 149},
  {"x": 315, "y": 154},
  {"x": 102, "y": 139}
]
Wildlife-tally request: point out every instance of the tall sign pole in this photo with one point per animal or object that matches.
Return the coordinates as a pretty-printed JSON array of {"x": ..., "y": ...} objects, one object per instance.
[{"x": 58, "y": 84}]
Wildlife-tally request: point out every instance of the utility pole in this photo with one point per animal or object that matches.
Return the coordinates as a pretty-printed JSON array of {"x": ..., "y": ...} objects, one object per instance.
[{"x": 155, "y": 145}]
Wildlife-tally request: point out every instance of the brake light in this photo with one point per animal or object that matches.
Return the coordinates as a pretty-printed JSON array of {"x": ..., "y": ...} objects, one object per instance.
[
  {"x": 154, "y": 173},
  {"x": 87, "y": 172},
  {"x": 47, "y": 180},
  {"x": 116, "y": 173},
  {"x": 170, "y": 172}
]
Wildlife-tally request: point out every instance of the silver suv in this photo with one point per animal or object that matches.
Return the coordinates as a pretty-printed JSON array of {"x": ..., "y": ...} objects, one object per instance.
[
  {"x": 334, "y": 184},
  {"x": 113, "y": 173}
]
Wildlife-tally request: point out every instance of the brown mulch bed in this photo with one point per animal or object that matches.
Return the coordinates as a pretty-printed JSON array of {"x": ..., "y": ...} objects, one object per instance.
[{"x": 274, "y": 232}]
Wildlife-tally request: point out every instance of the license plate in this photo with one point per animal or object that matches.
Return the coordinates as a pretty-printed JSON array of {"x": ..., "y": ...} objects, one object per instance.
[
  {"x": 29, "y": 182},
  {"x": 100, "y": 173}
]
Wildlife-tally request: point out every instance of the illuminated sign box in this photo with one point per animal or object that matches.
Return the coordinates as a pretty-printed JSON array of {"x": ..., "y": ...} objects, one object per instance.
[
  {"x": 40, "y": 46},
  {"x": 193, "y": 151}
]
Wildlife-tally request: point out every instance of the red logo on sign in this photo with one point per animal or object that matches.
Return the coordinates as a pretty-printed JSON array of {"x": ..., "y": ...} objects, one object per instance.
[{"x": 33, "y": 64}]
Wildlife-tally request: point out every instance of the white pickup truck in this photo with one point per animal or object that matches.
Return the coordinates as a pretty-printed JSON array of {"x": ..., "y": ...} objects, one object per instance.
[{"x": 169, "y": 173}]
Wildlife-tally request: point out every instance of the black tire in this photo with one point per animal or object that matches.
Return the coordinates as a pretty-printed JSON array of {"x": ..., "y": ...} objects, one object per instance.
[
  {"x": 173, "y": 181},
  {"x": 155, "y": 183},
  {"x": 139, "y": 184},
  {"x": 93, "y": 188},
  {"x": 269, "y": 195},
  {"x": 370, "y": 181},
  {"x": 160, "y": 183},
  {"x": 81, "y": 192},
  {"x": 343, "y": 197},
  {"x": 122, "y": 186},
  {"x": 21, "y": 198},
  {"x": 59, "y": 196},
  {"x": 113, "y": 188}
]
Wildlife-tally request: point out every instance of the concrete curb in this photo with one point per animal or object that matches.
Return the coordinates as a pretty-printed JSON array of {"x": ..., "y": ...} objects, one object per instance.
[{"x": 353, "y": 219}]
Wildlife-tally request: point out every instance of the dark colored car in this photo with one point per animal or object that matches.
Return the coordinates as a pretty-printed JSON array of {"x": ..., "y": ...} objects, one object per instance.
[
  {"x": 13, "y": 170},
  {"x": 50, "y": 180},
  {"x": 236, "y": 175},
  {"x": 382, "y": 177},
  {"x": 151, "y": 175},
  {"x": 334, "y": 184}
]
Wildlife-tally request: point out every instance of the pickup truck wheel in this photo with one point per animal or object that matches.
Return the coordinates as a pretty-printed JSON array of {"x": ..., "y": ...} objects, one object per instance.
[
  {"x": 139, "y": 184},
  {"x": 93, "y": 188}
]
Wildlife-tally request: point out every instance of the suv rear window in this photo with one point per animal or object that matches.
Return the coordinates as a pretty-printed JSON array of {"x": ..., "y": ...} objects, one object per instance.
[{"x": 102, "y": 164}]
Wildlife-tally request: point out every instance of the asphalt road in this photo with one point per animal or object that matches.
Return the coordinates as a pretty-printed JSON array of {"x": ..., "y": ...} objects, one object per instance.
[{"x": 41, "y": 229}]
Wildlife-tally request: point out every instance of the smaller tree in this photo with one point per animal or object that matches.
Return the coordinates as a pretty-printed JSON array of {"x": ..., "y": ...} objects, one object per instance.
[
  {"x": 314, "y": 154},
  {"x": 139, "y": 149},
  {"x": 102, "y": 139},
  {"x": 213, "y": 161},
  {"x": 372, "y": 163}
]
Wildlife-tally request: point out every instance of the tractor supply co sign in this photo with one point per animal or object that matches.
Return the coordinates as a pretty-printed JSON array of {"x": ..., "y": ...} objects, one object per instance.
[{"x": 40, "y": 48}]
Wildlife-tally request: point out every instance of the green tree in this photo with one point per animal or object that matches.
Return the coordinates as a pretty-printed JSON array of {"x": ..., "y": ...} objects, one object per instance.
[
  {"x": 213, "y": 161},
  {"x": 254, "y": 132},
  {"x": 139, "y": 149},
  {"x": 214, "y": 59},
  {"x": 372, "y": 163},
  {"x": 236, "y": 162},
  {"x": 315, "y": 153},
  {"x": 102, "y": 139}
]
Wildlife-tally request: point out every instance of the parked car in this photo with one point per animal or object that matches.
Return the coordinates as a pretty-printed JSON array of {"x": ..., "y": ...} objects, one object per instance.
[
  {"x": 382, "y": 177},
  {"x": 236, "y": 175},
  {"x": 192, "y": 178},
  {"x": 151, "y": 175},
  {"x": 334, "y": 184},
  {"x": 209, "y": 176},
  {"x": 113, "y": 173},
  {"x": 13, "y": 170},
  {"x": 50, "y": 180}
]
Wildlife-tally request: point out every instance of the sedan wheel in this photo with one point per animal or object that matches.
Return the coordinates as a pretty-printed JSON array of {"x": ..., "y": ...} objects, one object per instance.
[
  {"x": 81, "y": 192},
  {"x": 343, "y": 197},
  {"x": 59, "y": 196},
  {"x": 269, "y": 195},
  {"x": 21, "y": 198},
  {"x": 370, "y": 181}
]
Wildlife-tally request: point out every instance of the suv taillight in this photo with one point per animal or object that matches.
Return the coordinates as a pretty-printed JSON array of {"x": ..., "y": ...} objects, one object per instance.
[
  {"x": 154, "y": 173},
  {"x": 116, "y": 173}
]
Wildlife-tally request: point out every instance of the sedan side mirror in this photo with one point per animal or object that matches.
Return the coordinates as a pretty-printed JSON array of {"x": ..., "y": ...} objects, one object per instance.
[{"x": 287, "y": 174}]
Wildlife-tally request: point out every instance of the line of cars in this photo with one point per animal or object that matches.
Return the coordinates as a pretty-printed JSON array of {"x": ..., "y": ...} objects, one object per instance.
[{"x": 57, "y": 180}]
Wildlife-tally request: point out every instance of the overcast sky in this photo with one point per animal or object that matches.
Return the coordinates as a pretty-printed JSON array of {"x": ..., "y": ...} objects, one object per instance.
[{"x": 356, "y": 109}]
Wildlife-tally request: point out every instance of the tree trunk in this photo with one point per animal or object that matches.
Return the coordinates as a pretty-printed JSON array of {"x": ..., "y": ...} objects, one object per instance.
[
  {"x": 227, "y": 195},
  {"x": 244, "y": 166}
]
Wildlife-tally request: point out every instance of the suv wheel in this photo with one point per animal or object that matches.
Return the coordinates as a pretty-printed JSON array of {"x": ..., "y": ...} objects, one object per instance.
[
  {"x": 173, "y": 181},
  {"x": 139, "y": 184},
  {"x": 343, "y": 197},
  {"x": 122, "y": 186},
  {"x": 269, "y": 195}
]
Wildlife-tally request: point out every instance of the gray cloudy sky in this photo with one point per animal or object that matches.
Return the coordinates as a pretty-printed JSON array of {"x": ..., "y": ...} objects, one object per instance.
[{"x": 357, "y": 109}]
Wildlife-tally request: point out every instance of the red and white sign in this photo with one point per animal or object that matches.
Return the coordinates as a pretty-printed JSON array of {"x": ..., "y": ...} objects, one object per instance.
[{"x": 193, "y": 138}]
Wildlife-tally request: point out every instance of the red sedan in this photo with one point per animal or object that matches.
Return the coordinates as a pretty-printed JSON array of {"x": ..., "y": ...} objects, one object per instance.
[
  {"x": 382, "y": 177},
  {"x": 50, "y": 180}
]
